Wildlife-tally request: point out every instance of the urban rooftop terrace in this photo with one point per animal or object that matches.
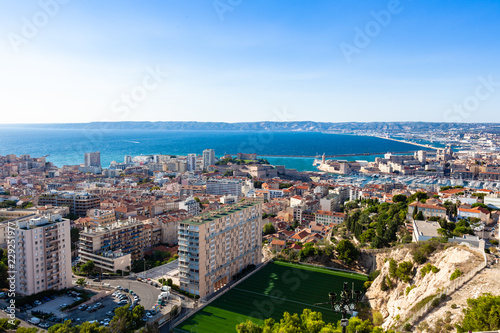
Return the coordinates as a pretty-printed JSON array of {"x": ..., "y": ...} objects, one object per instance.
[{"x": 224, "y": 211}]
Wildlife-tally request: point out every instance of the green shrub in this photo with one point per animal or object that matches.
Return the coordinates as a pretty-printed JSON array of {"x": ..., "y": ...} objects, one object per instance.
[
  {"x": 367, "y": 284},
  {"x": 378, "y": 319},
  {"x": 454, "y": 306},
  {"x": 407, "y": 327},
  {"x": 373, "y": 275},
  {"x": 457, "y": 273},
  {"x": 393, "y": 266},
  {"x": 408, "y": 289},
  {"x": 383, "y": 285},
  {"x": 435, "y": 302},
  {"x": 404, "y": 270},
  {"x": 428, "y": 268}
]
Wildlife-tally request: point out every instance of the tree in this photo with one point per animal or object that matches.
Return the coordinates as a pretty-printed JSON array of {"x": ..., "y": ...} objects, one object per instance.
[
  {"x": 88, "y": 267},
  {"x": 419, "y": 216},
  {"x": 269, "y": 229},
  {"x": 81, "y": 282},
  {"x": 347, "y": 251},
  {"x": 65, "y": 327},
  {"x": 71, "y": 216},
  {"x": 482, "y": 314},
  {"x": 27, "y": 330},
  {"x": 308, "y": 322},
  {"x": 399, "y": 198}
]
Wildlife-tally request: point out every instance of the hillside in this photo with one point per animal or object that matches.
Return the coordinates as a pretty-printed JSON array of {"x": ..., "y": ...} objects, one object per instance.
[
  {"x": 402, "y": 300},
  {"x": 303, "y": 126}
]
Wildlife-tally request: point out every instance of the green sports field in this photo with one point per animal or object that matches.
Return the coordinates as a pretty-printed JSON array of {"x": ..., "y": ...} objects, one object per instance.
[{"x": 276, "y": 288}]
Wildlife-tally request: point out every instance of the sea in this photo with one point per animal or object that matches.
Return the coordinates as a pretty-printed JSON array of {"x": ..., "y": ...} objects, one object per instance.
[{"x": 296, "y": 149}]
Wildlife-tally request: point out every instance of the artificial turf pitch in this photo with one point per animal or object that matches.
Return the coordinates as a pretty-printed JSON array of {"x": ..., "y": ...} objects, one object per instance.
[{"x": 277, "y": 288}]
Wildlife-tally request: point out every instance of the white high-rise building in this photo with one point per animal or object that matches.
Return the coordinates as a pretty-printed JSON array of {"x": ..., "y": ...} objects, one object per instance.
[
  {"x": 43, "y": 253},
  {"x": 127, "y": 159},
  {"x": 191, "y": 162},
  {"x": 208, "y": 158},
  {"x": 93, "y": 159}
]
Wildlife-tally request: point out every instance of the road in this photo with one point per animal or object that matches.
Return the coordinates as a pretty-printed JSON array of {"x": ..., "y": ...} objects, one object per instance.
[{"x": 147, "y": 293}]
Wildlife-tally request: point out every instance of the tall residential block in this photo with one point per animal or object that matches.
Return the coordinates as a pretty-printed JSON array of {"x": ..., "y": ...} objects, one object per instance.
[
  {"x": 191, "y": 162},
  {"x": 78, "y": 202},
  {"x": 93, "y": 159},
  {"x": 213, "y": 247},
  {"x": 43, "y": 254},
  {"x": 208, "y": 158}
]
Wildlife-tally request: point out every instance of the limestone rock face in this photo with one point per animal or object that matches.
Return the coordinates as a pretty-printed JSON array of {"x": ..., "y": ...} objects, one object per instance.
[{"x": 394, "y": 304}]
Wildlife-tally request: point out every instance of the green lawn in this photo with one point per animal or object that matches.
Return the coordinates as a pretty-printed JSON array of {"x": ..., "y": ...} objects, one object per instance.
[{"x": 276, "y": 288}]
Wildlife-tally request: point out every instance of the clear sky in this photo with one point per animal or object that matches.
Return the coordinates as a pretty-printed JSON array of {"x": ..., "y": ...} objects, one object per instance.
[{"x": 249, "y": 60}]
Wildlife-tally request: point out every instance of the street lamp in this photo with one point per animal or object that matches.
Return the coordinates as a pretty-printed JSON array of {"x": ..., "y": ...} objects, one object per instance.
[{"x": 346, "y": 304}]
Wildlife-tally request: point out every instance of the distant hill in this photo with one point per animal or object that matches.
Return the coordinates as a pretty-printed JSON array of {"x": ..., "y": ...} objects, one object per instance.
[{"x": 303, "y": 126}]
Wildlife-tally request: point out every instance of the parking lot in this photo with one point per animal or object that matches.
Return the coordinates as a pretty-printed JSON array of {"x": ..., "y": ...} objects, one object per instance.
[
  {"x": 108, "y": 304},
  {"x": 55, "y": 306},
  {"x": 148, "y": 294}
]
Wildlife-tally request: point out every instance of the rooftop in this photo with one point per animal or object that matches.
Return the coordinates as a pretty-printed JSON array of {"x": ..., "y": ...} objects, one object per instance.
[{"x": 213, "y": 215}]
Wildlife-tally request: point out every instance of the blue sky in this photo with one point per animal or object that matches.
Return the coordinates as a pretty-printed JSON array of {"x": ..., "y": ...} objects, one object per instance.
[{"x": 243, "y": 60}]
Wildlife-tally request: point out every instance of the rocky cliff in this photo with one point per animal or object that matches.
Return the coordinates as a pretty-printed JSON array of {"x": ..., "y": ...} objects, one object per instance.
[{"x": 402, "y": 299}]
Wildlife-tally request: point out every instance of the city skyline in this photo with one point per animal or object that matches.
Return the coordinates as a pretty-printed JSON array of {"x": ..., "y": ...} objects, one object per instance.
[{"x": 244, "y": 61}]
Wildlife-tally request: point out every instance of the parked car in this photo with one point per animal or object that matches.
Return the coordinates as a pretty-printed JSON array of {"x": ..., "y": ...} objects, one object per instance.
[
  {"x": 109, "y": 313},
  {"x": 123, "y": 301},
  {"x": 44, "y": 325},
  {"x": 34, "y": 320},
  {"x": 63, "y": 305},
  {"x": 37, "y": 303}
]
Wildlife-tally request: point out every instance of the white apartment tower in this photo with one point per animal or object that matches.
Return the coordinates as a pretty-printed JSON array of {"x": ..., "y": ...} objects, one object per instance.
[
  {"x": 93, "y": 159},
  {"x": 191, "y": 162},
  {"x": 208, "y": 158},
  {"x": 43, "y": 254},
  {"x": 213, "y": 247}
]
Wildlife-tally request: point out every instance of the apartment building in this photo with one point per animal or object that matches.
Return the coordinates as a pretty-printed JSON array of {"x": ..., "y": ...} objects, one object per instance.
[
  {"x": 43, "y": 253},
  {"x": 427, "y": 210},
  {"x": 191, "y": 162},
  {"x": 223, "y": 187},
  {"x": 99, "y": 217},
  {"x": 78, "y": 202},
  {"x": 208, "y": 158},
  {"x": 213, "y": 247},
  {"x": 110, "y": 261},
  {"x": 332, "y": 202},
  {"x": 93, "y": 159},
  {"x": 126, "y": 236},
  {"x": 326, "y": 217}
]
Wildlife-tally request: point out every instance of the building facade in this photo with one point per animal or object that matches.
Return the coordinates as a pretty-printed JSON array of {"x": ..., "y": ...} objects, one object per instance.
[
  {"x": 43, "y": 253},
  {"x": 78, "y": 202},
  {"x": 208, "y": 158},
  {"x": 126, "y": 236},
  {"x": 224, "y": 187},
  {"x": 191, "y": 162},
  {"x": 214, "y": 247},
  {"x": 93, "y": 160}
]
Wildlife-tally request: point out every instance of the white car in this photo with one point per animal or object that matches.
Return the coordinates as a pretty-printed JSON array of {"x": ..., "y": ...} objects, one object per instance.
[
  {"x": 123, "y": 301},
  {"x": 149, "y": 315}
]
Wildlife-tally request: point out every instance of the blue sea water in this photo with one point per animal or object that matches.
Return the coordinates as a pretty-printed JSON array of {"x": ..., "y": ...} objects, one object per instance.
[{"x": 67, "y": 147}]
